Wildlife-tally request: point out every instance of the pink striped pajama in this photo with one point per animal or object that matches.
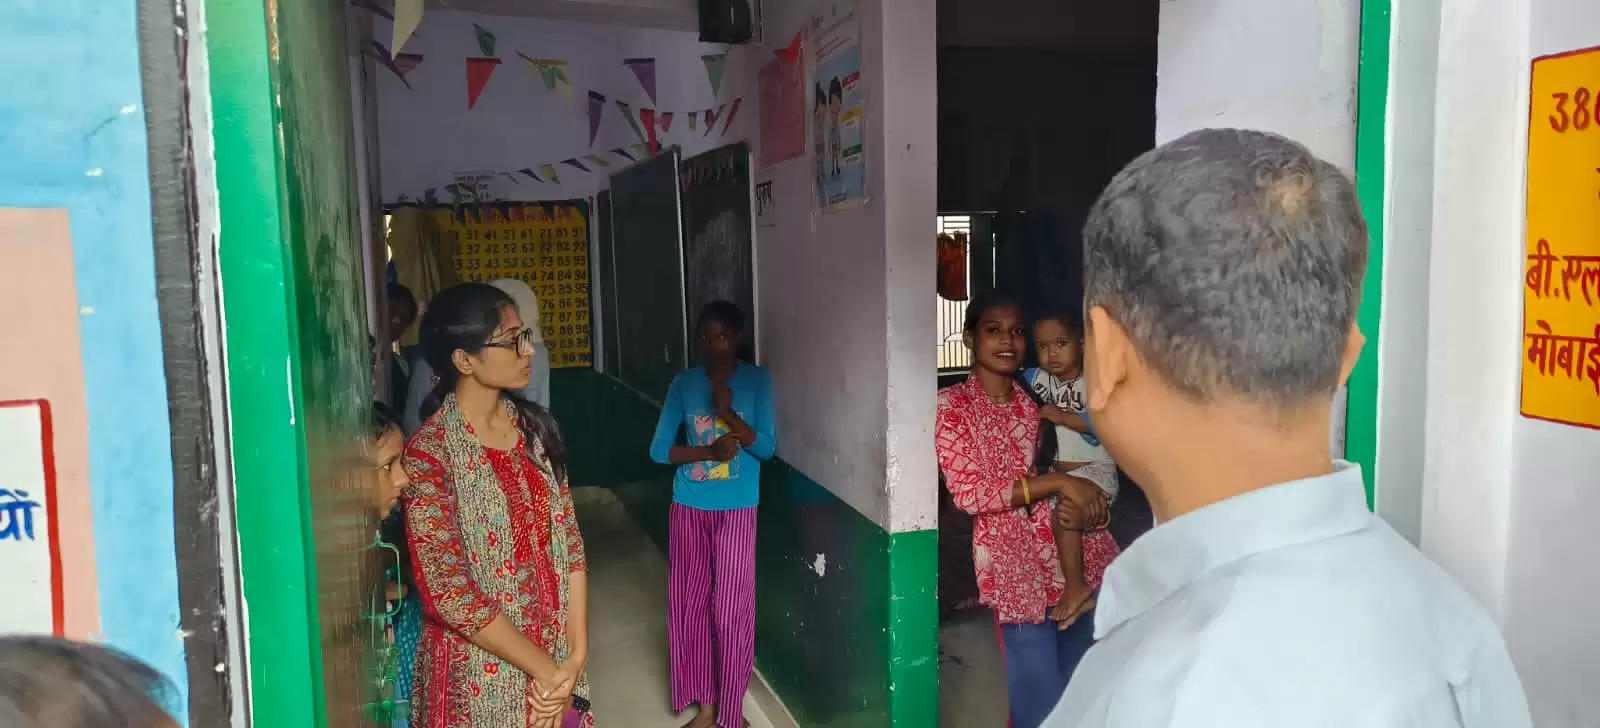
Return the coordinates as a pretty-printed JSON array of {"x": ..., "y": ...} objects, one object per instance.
[{"x": 711, "y": 600}]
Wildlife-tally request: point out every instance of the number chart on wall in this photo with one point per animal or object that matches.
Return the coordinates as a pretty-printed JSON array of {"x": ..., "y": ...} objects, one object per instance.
[
  {"x": 1561, "y": 292},
  {"x": 546, "y": 245}
]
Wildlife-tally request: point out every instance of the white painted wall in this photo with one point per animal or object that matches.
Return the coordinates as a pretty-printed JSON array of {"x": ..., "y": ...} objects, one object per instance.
[
  {"x": 428, "y": 134},
  {"x": 1285, "y": 66},
  {"x": 1507, "y": 502},
  {"x": 845, "y": 323}
]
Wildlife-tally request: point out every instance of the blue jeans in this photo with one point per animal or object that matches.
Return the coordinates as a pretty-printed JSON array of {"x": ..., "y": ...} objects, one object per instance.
[{"x": 1039, "y": 661}]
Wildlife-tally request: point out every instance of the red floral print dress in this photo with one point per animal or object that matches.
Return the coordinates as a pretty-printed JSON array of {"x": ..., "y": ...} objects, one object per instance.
[
  {"x": 490, "y": 534},
  {"x": 983, "y": 448}
]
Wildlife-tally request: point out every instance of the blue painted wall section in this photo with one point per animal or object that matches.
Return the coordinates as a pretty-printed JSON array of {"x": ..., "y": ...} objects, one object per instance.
[{"x": 72, "y": 136}]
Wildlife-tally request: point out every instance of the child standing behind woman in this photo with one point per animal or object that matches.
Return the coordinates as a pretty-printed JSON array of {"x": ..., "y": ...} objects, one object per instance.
[
  {"x": 986, "y": 439},
  {"x": 1058, "y": 385},
  {"x": 724, "y": 409}
]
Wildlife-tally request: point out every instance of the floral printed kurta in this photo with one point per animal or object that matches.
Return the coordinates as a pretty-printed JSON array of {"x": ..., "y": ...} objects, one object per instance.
[
  {"x": 496, "y": 547},
  {"x": 983, "y": 448}
]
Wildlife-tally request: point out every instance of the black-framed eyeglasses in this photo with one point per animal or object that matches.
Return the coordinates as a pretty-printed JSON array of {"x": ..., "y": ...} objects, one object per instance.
[{"x": 522, "y": 345}]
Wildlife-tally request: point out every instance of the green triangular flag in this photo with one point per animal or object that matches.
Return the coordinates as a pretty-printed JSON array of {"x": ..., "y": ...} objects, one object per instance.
[
  {"x": 715, "y": 64},
  {"x": 627, "y": 113},
  {"x": 485, "y": 40}
]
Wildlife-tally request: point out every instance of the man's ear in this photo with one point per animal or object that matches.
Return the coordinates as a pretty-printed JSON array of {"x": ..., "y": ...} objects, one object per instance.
[
  {"x": 1353, "y": 343},
  {"x": 1107, "y": 353}
]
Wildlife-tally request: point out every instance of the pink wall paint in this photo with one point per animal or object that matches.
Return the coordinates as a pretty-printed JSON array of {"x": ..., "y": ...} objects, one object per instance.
[{"x": 37, "y": 282}]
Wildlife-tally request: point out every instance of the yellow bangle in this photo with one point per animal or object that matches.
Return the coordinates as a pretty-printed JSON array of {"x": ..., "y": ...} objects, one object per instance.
[{"x": 1026, "y": 498}]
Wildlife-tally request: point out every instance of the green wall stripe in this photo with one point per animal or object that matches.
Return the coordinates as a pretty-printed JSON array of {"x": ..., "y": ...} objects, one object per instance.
[
  {"x": 1372, "y": 99},
  {"x": 913, "y": 626},
  {"x": 267, "y": 438}
]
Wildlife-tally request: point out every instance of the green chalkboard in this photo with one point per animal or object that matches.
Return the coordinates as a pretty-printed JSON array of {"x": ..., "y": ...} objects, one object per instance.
[{"x": 647, "y": 267}]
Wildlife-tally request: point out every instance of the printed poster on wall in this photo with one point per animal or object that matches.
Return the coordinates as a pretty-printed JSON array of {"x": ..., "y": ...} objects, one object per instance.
[
  {"x": 838, "y": 106},
  {"x": 29, "y": 546},
  {"x": 783, "y": 111},
  {"x": 545, "y": 245},
  {"x": 1561, "y": 291}
]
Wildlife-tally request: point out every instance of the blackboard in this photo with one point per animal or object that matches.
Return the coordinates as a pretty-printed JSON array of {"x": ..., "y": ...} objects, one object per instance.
[
  {"x": 718, "y": 263},
  {"x": 647, "y": 265}
]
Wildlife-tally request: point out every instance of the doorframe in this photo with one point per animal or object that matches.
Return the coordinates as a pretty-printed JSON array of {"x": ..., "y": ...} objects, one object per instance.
[
  {"x": 1372, "y": 127},
  {"x": 265, "y": 398}
]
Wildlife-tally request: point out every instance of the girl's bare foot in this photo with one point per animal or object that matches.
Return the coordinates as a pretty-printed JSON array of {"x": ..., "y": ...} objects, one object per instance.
[{"x": 705, "y": 717}]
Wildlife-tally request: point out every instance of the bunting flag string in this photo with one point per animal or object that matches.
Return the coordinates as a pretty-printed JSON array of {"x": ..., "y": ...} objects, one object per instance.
[
  {"x": 529, "y": 171},
  {"x": 548, "y": 171},
  {"x": 711, "y": 118},
  {"x": 597, "y": 160},
  {"x": 715, "y": 64},
  {"x": 644, "y": 69},
  {"x": 619, "y": 151},
  {"x": 573, "y": 161}
]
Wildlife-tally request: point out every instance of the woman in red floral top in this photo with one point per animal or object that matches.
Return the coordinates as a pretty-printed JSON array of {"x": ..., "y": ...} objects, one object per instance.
[
  {"x": 986, "y": 436},
  {"x": 496, "y": 555}
]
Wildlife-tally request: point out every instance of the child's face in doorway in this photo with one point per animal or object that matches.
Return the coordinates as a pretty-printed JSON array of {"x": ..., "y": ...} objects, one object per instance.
[
  {"x": 718, "y": 343},
  {"x": 1059, "y": 349},
  {"x": 389, "y": 478},
  {"x": 997, "y": 343}
]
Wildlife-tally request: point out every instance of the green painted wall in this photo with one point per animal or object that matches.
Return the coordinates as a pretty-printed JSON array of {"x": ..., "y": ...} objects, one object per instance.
[
  {"x": 299, "y": 379},
  {"x": 856, "y": 645}
]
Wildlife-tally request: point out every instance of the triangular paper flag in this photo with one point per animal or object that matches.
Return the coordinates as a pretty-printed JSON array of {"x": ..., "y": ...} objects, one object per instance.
[
  {"x": 407, "y": 16},
  {"x": 478, "y": 72},
  {"x": 711, "y": 119},
  {"x": 641, "y": 149},
  {"x": 548, "y": 171},
  {"x": 731, "y": 113},
  {"x": 575, "y": 163},
  {"x": 552, "y": 72},
  {"x": 397, "y": 65},
  {"x": 485, "y": 40},
  {"x": 715, "y": 64},
  {"x": 644, "y": 69},
  {"x": 619, "y": 151},
  {"x": 597, "y": 104},
  {"x": 627, "y": 113},
  {"x": 692, "y": 116},
  {"x": 529, "y": 171},
  {"x": 792, "y": 53},
  {"x": 647, "y": 117},
  {"x": 511, "y": 177},
  {"x": 665, "y": 118},
  {"x": 407, "y": 61},
  {"x": 597, "y": 160}
]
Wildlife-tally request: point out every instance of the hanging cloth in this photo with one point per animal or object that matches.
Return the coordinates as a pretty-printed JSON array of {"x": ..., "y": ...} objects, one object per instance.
[{"x": 952, "y": 258}]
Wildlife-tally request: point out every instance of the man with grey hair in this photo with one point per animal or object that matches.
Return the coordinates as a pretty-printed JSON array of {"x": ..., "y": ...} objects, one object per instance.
[{"x": 1222, "y": 272}]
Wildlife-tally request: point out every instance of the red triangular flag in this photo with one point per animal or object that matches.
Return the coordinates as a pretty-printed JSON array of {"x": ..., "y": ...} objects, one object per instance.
[
  {"x": 731, "y": 113},
  {"x": 648, "y": 118},
  {"x": 478, "y": 72},
  {"x": 711, "y": 119},
  {"x": 665, "y": 118},
  {"x": 792, "y": 53}
]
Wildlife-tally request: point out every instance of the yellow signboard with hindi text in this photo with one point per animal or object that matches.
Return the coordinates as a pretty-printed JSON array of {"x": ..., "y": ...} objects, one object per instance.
[{"x": 1561, "y": 291}]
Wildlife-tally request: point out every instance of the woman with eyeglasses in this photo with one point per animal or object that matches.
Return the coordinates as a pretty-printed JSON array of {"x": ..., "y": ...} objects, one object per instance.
[{"x": 497, "y": 558}]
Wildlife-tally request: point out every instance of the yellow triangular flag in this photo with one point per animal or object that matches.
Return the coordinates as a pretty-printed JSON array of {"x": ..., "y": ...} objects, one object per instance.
[{"x": 407, "y": 16}]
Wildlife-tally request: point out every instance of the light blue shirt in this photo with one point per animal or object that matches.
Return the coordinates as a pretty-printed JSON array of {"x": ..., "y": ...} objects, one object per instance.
[
  {"x": 711, "y": 486},
  {"x": 1288, "y": 606}
]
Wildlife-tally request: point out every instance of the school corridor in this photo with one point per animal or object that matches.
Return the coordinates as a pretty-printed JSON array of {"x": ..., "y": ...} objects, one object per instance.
[{"x": 208, "y": 208}]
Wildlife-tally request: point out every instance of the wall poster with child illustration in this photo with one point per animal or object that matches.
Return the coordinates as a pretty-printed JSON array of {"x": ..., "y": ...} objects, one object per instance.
[
  {"x": 544, "y": 244},
  {"x": 838, "y": 106}
]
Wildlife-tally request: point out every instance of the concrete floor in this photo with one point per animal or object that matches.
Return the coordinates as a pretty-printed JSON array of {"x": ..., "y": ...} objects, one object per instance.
[
  {"x": 972, "y": 678},
  {"x": 628, "y": 623}
]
